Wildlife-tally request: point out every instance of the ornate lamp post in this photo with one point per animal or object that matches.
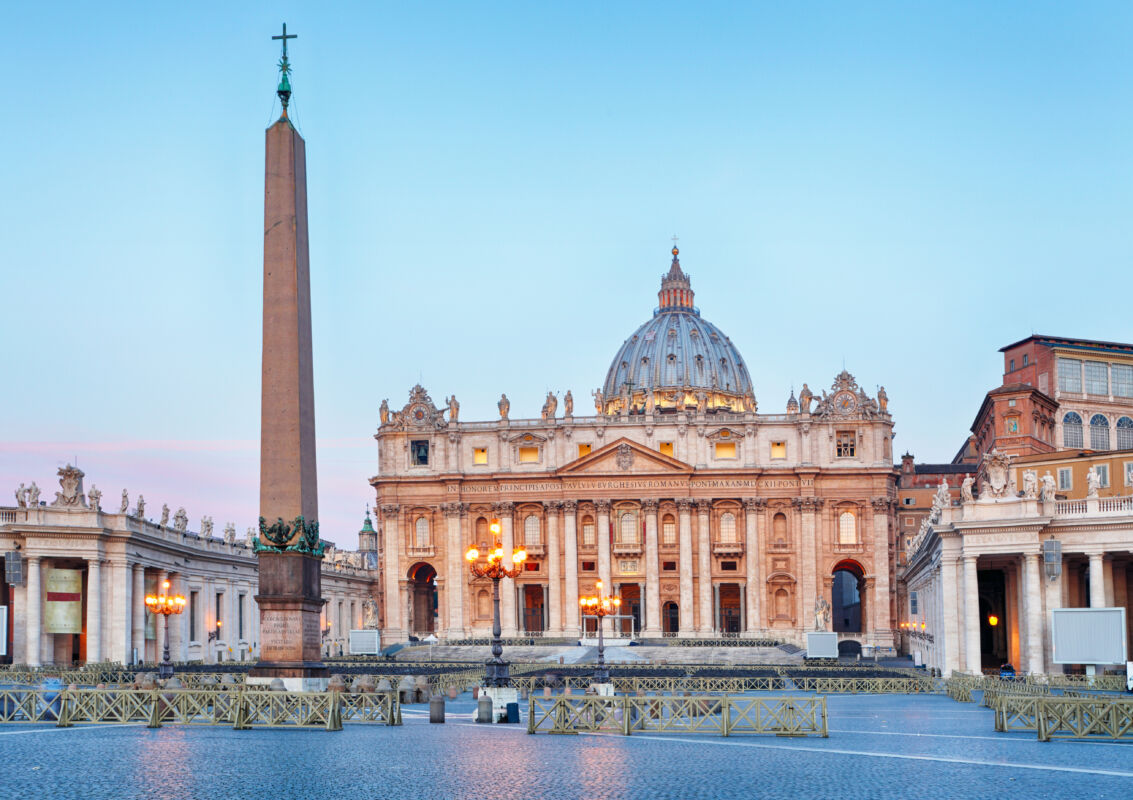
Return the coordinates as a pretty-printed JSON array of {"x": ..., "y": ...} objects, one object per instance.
[
  {"x": 165, "y": 604},
  {"x": 497, "y": 668},
  {"x": 600, "y": 606}
]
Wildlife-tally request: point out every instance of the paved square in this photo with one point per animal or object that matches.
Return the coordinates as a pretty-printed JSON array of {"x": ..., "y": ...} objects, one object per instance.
[{"x": 879, "y": 747}]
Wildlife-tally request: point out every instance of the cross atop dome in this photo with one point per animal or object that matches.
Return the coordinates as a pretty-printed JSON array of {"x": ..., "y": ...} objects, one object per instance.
[{"x": 676, "y": 288}]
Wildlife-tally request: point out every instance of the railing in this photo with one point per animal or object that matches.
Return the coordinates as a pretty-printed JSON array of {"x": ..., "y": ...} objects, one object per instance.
[
  {"x": 779, "y": 716},
  {"x": 627, "y": 548},
  {"x": 420, "y": 552},
  {"x": 1069, "y": 507},
  {"x": 1115, "y": 504},
  {"x": 7, "y": 516},
  {"x": 1091, "y": 717},
  {"x": 728, "y": 548},
  {"x": 865, "y": 685}
]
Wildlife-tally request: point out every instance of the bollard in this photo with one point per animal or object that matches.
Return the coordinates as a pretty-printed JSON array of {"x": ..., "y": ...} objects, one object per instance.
[
  {"x": 475, "y": 692},
  {"x": 436, "y": 708},
  {"x": 453, "y": 693},
  {"x": 484, "y": 709}
]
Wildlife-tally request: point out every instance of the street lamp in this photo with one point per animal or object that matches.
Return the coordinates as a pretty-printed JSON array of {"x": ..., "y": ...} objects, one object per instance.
[
  {"x": 165, "y": 604},
  {"x": 497, "y": 668},
  {"x": 600, "y": 606}
]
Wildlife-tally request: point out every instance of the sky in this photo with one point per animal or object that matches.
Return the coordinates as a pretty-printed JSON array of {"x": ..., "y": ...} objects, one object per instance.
[{"x": 898, "y": 188}]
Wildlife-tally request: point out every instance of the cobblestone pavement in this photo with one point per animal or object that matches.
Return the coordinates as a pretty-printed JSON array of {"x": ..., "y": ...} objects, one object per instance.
[{"x": 879, "y": 747}]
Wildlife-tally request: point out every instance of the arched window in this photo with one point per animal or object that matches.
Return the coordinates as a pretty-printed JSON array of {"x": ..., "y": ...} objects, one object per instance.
[
  {"x": 728, "y": 527},
  {"x": 668, "y": 530},
  {"x": 671, "y": 369},
  {"x": 422, "y": 526},
  {"x": 782, "y": 604},
  {"x": 847, "y": 530},
  {"x": 643, "y": 373},
  {"x": 482, "y": 534},
  {"x": 588, "y": 539},
  {"x": 1072, "y": 430},
  {"x": 531, "y": 530},
  {"x": 779, "y": 528},
  {"x": 1099, "y": 432},
  {"x": 1125, "y": 434},
  {"x": 483, "y": 604},
  {"x": 627, "y": 529}
]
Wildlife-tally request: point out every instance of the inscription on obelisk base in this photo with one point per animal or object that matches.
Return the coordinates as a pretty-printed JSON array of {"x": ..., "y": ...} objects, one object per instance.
[{"x": 289, "y": 549}]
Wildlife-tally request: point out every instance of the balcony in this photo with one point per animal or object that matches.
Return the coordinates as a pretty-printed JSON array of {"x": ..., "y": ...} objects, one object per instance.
[
  {"x": 627, "y": 548},
  {"x": 420, "y": 552},
  {"x": 533, "y": 549},
  {"x": 728, "y": 548}
]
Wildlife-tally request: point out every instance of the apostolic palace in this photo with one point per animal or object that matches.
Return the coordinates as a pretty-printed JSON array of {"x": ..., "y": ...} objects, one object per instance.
[{"x": 709, "y": 518}]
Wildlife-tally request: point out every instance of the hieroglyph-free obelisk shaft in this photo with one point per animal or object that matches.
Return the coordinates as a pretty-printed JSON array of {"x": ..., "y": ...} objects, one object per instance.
[{"x": 288, "y": 546}]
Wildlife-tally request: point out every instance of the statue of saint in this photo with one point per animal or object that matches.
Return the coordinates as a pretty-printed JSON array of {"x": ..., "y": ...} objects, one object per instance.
[
  {"x": 1030, "y": 484},
  {"x": 1093, "y": 482},
  {"x": 140, "y": 511},
  {"x": 383, "y": 412},
  {"x": 1048, "y": 487},
  {"x": 966, "y": 489},
  {"x": 504, "y": 406},
  {"x": 882, "y": 400},
  {"x": 749, "y": 402},
  {"x": 125, "y": 506},
  {"x": 22, "y": 497},
  {"x": 598, "y": 404},
  {"x": 164, "y": 515},
  {"x": 821, "y": 613},
  {"x": 369, "y": 614},
  {"x": 805, "y": 396},
  {"x": 568, "y": 404},
  {"x": 230, "y": 533},
  {"x": 701, "y": 401},
  {"x": 453, "y": 409},
  {"x": 33, "y": 495},
  {"x": 550, "y": 406},
  {"x": 94, "y": 496},
  {"x": 206, "y": 527}
]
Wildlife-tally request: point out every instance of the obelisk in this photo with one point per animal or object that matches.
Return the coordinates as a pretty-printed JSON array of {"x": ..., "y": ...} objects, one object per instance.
[{"x": 288, "y": 546}]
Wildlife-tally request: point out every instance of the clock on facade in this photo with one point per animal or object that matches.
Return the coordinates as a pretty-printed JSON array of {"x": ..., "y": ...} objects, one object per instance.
[{"x": 845, "y": 402}]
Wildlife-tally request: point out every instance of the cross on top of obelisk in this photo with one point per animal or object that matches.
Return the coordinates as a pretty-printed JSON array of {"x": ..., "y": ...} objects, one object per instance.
[{"x": 284, "y": 90}]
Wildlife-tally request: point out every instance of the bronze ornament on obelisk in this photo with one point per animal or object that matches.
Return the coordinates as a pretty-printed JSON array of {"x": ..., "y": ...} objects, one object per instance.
[{"x": 288, "y": 546}]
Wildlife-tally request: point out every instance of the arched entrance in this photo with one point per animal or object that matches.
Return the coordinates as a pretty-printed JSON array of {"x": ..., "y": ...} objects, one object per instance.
[
  {"x": 670, "y": 617},
  {"x": 422, "y": 598},
  {"x": 846, "y": 597}
]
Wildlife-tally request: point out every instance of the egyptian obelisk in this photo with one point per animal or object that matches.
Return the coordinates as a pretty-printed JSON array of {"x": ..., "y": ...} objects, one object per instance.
[{"x": 288, "y": 546}]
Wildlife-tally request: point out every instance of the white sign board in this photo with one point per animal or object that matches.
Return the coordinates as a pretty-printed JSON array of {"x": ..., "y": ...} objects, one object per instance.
[
  {"x": 3, "y": 630},
  {"x": 1088, "y": 635},
  {"x": 822, "y": 645},
  {"x": 365, "y": 643}
]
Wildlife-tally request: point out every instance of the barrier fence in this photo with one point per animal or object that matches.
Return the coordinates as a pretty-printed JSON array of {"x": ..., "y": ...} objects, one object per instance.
[
  {"x": 724, "y": 715},
  {"x": 1062, "y": 717},
  {"x": 241, "y": 708}
]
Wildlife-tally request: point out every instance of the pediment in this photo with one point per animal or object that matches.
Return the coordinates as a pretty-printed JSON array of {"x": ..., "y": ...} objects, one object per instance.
[
  {"x": 624, "y": 457},
  {"x": 526, "y": 438}
]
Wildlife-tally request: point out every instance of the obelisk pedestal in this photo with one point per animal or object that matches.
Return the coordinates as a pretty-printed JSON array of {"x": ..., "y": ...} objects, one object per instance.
[{"x": 289, "y": 549}]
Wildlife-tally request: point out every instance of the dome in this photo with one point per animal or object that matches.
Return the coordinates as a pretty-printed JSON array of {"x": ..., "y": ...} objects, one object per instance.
[{"x": 680, "y": 357}]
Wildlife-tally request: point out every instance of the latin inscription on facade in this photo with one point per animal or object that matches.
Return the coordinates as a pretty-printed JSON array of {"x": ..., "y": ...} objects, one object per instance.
[
  {"x": 286, "y": 634},
  {"x": 633, "y": 484}
]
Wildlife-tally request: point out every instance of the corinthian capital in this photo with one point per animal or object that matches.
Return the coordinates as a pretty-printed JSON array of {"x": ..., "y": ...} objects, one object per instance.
[
  {"x": 650, "y": 506},
  {"x": 602, "y": 506}
]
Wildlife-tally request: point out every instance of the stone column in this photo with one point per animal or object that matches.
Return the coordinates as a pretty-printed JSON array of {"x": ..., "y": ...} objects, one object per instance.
[
  {"x": 753, "y": 621},
  {"x": 716, "y": 626},
  {"x": 684, "y": 511},
  {"x": 1052, "y": 593},
  {"x": 34, "y": 614},
  {"x": 94, "y": 610},
  {"x": 704, "y": 567},
  {"x": 391, "y": 576},
  {"x": 603, "y": 535},
  {"x": 652, "y": 627},
  {"x": 570, "y": 557},
  {"x": 454, "y": 581},
  {"x": 808, "y": 565},
  {"x": 161, "y": 623},
  {"x": 949, "y": 584},
  {"x": 974, "y": 663},
  {"x": 1032, "y": 568},
  {"x": 508, "y": 618},
  {"x": 177, "y": 622},
  {"x": 553, "y": 589},
  {"x": 138, "y": 612},
  {"x": 1097, "y": 580},
  {"x": 882, "y": 621}
]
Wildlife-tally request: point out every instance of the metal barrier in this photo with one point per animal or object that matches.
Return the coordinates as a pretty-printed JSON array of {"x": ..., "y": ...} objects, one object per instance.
[
  {"x": 288, "y": 709},
  {"x": 780, "y": 716},
  {"x": 866, "y": 685},
  {"x": 378, "y": 708},
  {"x": 958, "y": 691},
  {"x": 1090, "y": 717}
]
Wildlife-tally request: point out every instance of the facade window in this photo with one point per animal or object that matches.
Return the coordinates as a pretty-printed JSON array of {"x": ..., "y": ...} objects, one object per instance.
[
  {"x": 627, "y": 529},
  {"x": 728, "y": 527},
  {"x": 1069, "y": 375},
  {"x": 588, "y": 566},
  {"x": 728, "y": 566},
  {"x": 531, "y": 536},
  {"x": 419, "y": 452},
  {"x": 530, "y": 566},
  {"x": 1097, "y": 377},
  {"x": 666, "y": 449},
  {"x": 909, "y": 501},
  {"x": 1012, "y": 368},
  {"x": 529, "y": 455},
  {"x": 194, "y": 616},
  {"x": 847, "y": 530},
  {"x": 627, "y": 567},
  {"x": 668, "y": 530},
  {"x": 1099, "y": 432},
  {"x": 583, "y": 450},
  {"x": 1103, "y": 475},
  {"x": 421, "y": 531},
  {"x": 668, "y": 566},
  {"x": 240, "y": 616},
  {"x": 218, "y": 610},
  {"x": 479, "y": 455},
  {"x": 1024, "y": 359},
  {"x": 912, "y": 604},
  {"x": 1011, "y": 403},
  {"x": 1125, "y": 434},
  {"x": 1122, "y": 375},
  {"x": 588, "y": 532},
  {"x": 1065, "y": 478},
  {"x": 726, "y": 450},
  {"x": 778, "y": 449},
  {"x": 846, "y": 444},
  {"x": 1072, "y": 430}
]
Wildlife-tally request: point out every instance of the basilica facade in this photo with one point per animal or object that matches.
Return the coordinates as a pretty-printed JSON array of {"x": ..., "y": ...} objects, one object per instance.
[{"x": 709, "y": 518}]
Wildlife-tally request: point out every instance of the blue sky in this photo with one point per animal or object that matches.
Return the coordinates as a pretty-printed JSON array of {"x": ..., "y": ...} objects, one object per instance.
[{"x": 903, "y": 188}]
